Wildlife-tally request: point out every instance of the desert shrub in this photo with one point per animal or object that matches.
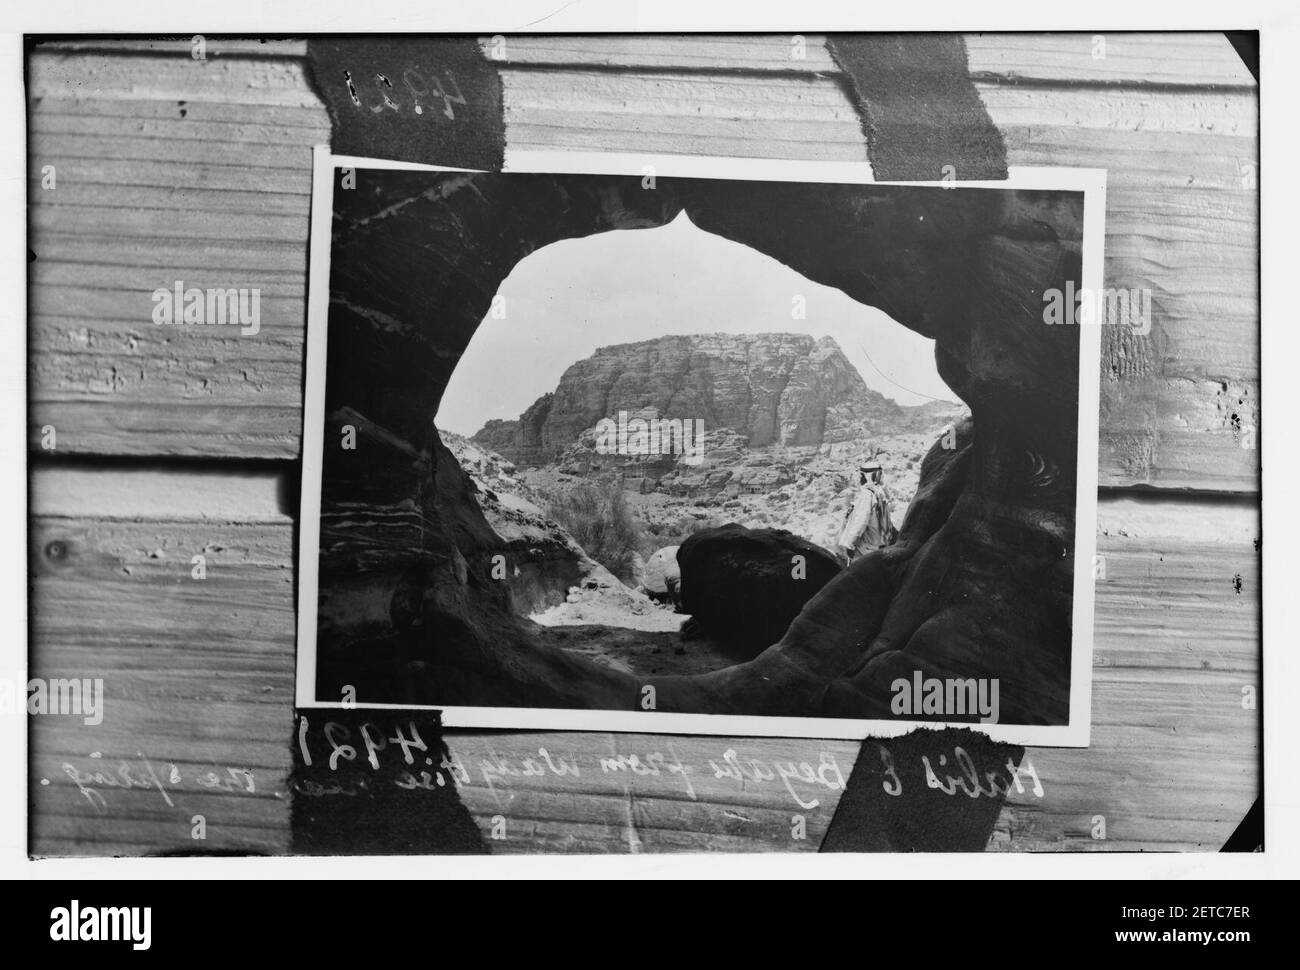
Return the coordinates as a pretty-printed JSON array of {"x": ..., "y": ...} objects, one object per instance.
[{"x": 596, "y": 514}]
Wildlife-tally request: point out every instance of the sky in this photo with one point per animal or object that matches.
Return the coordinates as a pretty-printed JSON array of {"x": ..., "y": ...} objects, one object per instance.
[{"x": 567, "y": 299}]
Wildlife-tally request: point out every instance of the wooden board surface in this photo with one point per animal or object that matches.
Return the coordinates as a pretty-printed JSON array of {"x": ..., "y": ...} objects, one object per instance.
[
  {"x": 170, "y": 168},
  {"x": 1176, "y": 671},
  {"x": 199, "y": 674},
  {"x": 166, "y": 164},
  {"x": 1190, "y": 59}
]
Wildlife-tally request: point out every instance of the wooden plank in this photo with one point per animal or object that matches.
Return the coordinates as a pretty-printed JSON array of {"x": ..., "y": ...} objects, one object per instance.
[
  {"x": 250, "y": 157},
  {"x": 1174, "y": 759},
  {"x": 111, "y": 282},
  {"x": 1191, "y": 59},
  {"x": 1223, "y": 112},
  {"x": 182, "y": 201},
  {"x": 671, "y": 798},
  {"x": 170, "y": 177},
  {"x": 171, "y": 257},
  {"x": 680, "y": 113},
  {"x": 184, "y": 47},
  {"x": 198, "y": 673},
  {"x": 268, "y": 82},
  {"x": 169, "y": 127},
  {"x": 1178, "y": 403},
  {"x": 764, "y": 53},
  {"x": 144, "y": 109},
  {"x": 114, "y": 221}
]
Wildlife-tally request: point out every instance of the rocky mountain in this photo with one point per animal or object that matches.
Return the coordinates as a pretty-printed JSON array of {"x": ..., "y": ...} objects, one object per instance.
[{"x": 768, "y": 388}]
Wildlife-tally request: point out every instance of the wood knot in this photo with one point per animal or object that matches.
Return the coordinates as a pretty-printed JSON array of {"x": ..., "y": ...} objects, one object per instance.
[{"x": 56, "y": 550}]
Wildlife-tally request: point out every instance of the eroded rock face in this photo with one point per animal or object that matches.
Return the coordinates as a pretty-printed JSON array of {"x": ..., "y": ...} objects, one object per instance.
[
  {"x": 743, "y": 587},
  {"x": 769, "y": 388},
  {"x": 541, "y": 564},
  {"x": 977, "y": 584},
  {"x": 522, "y": 440}
]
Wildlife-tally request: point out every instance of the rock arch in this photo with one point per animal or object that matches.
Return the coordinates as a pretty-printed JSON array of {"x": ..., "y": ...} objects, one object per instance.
[{"x": 980, "y": 582}]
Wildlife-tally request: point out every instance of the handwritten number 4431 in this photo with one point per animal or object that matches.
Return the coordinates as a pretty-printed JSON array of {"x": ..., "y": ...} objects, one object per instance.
[
  {"x": 372, "y": 739},
  {"x": 415, "y": 88}
]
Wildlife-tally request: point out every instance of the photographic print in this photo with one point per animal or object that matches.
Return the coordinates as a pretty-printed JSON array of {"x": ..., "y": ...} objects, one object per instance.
[
  {"x": 654, "y": 441},
  {"x": 704, "y": 446}
]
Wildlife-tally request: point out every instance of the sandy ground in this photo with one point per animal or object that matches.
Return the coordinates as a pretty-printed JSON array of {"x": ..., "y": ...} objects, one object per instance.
[
  {"x": 584, "y": 608},
  {"x": 610, "y": 624},
  {"x": 641, "y": 652}
]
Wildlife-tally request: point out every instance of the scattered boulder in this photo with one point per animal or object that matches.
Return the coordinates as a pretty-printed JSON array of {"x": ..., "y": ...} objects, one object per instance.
[
  {"x": 743, "y": 587},
  {"x": 662, "y": 575}
]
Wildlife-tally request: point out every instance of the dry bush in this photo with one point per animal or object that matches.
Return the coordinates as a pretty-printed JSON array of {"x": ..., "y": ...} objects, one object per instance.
[{"x": 596, "y": 514}]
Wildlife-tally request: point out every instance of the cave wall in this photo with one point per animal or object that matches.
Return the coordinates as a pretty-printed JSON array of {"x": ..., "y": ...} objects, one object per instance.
[{"x": 418, "y": 257}]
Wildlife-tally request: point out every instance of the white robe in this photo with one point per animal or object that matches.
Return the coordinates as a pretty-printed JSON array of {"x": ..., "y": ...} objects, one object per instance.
[{"x": 868, "y": 525}]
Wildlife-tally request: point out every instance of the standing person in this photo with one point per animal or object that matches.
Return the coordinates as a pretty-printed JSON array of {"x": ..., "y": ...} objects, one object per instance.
[{"x": 867, "y": 526}]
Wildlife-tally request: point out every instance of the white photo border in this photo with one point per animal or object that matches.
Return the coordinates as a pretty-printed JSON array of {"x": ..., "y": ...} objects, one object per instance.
[{"x": 1090, "y": 182}]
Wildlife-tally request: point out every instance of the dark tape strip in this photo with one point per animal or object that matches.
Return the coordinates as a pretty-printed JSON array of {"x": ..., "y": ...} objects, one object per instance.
[
  {"x": 376, "y": 782},
  {"x": 919, "y": 110},
  {"x": 1249, "y": 835},
  {"x": 1246, "y": 44},
  {"x": 928, "y": 791},
  {"x": 435, "y": 100}
]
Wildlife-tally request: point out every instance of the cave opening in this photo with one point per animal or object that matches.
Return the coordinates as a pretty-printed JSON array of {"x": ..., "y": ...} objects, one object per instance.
[
  {"x": 980, "y": 580},
  {"x": 597, "y": 350}
]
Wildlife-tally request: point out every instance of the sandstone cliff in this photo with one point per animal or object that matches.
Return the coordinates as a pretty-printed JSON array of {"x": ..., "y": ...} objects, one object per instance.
[{"x": 769, "y": 388}]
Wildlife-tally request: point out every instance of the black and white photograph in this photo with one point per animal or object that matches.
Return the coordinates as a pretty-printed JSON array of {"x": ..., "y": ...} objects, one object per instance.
[
  {"x": 671, "y": 441},
  {"x": 704, "y": 455}
]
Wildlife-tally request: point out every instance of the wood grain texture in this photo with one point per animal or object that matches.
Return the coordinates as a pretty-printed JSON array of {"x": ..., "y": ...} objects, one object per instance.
[
  {"x": 199, "y": 674},
  {"x": 1138, "y": 59},
  {"x": 1190, "y": 59},
  {"x": 171, "y": 168},
  {"x": 616, "y": 805},
  {"x": 1174, "y": 759},
  {"x": 681, "y": 113},
  {"x": 744, "y": 53},
  {"x": 183, "y": 46},
  {"x": 1182, "y": 220},
  {"x": 150, "y": 190}
]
